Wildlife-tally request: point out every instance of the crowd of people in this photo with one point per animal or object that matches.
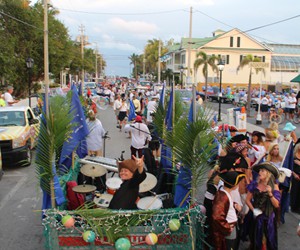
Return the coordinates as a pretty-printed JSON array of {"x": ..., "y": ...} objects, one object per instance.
[{"x": 245, "y": 198}]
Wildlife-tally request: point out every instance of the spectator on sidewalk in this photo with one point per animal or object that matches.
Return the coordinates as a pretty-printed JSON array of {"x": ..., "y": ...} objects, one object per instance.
[{"x": 8, "y": 97}]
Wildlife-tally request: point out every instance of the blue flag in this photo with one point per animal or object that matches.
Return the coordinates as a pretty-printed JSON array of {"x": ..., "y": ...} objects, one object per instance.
[
  {"x": 162, "y": 96},
  {"x": 288, "y": 163},
  {"x": 132, "y": 114},
  {"x": 191, "y": 112},
  {"x": 80, "y": 89},
  {"x": 169, "y": 116},
  {"x": 183, "y": 187},
  {"x": 166, "y": 152},
  {"x": 79, "y": 133}
]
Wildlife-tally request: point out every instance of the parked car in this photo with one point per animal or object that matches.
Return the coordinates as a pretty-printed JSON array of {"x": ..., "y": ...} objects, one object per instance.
[{"x": 19, "y": 129}]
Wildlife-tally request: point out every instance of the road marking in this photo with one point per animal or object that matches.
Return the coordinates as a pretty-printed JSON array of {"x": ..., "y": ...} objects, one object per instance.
[{"x": 13, "y": 191}]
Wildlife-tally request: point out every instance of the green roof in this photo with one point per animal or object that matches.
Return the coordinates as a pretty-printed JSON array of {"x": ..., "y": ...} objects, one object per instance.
[
  {"x": 296, "y": 79},
  {"x": 196, "y": 42}
]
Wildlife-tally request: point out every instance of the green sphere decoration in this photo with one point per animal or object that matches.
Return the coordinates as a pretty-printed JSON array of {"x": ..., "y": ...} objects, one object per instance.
[
  {"x": 122, "y": 244},
  {"x": 174, "y": 224},
  {"x": 89, "y": 236}
]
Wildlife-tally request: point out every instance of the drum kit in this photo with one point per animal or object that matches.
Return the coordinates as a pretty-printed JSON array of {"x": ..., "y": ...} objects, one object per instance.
[{"x": 113, "y": 184}]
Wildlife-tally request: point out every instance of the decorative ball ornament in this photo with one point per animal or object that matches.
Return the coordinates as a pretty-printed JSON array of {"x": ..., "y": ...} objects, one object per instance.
[
  {"x": 89, "y": 236},
  {"x": 122, "y": 244},
  {"x": 203, "y": 209},
  {"x": 68, "y": 221},
  {"x": 174, "y": 224},
  {"x": 151, "y": 239}
]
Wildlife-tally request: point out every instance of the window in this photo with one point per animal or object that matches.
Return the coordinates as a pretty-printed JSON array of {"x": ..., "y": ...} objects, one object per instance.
[
  {"x": 231, "y": 41},
  {"x": 238, "y": 42},
  {"x": 227, "y": 59},
  {"x": 263, "y": 58},
  {"x": 241, "y": 58}
]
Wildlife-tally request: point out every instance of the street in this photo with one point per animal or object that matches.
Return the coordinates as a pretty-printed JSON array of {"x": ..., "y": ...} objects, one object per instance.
[{"x": 20, "y": 198}]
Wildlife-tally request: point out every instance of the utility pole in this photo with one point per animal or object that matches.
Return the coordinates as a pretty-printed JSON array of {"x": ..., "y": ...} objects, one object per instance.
[
  {"x": 46, "y": 61},
  {"x": 159, "y": 54},
  {"x": 144, "y": 66},
  {"x": 188, "y": 80},
  {"x": 83, "y": 42},
  {"x": 96, "y": 64}
]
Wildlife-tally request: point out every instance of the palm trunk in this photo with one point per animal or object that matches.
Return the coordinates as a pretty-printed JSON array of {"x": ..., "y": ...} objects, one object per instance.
[
  {"x": 205, "y": 97},
  {"x": 249, "y": 93}
]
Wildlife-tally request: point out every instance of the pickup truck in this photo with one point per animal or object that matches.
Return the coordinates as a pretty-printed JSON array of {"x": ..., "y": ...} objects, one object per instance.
[
  {"x": 19, "y": 129},
  {"x": 213, "y": 95}
]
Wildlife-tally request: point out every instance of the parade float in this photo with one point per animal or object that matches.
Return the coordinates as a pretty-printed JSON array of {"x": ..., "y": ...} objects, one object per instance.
[{"x": 187, "y": 146}]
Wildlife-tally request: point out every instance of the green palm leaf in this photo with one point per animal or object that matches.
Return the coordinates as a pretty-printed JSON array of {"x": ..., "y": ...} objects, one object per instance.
[{"x": 53, "y": 132}]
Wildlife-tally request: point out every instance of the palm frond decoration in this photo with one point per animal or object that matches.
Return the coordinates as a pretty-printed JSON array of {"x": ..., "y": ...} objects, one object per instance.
[
  {"x": 53, "y": 132},
  {"x": 113, "y": 224},
  {"x": 192, "y": 144}
]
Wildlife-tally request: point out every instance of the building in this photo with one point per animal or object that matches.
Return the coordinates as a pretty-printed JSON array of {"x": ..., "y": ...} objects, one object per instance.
[{"x": 282, "y": 61}]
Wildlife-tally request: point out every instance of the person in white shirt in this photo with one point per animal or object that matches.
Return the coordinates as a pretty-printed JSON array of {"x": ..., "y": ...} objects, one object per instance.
[
  {"x": 292, "y": 105},
  {"x": 151, "y": 108},
  {"x": 94, "y": 139},
  {"x": 140, "y": 134},
  {"x": 117, "y": 106},
  {"x": 8, "y": 97},
  {"x": 122, "y": 114}
]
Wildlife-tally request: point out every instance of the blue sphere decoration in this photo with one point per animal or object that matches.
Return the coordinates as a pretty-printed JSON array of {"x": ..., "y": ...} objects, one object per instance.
[{"x": 122, "y": 244}]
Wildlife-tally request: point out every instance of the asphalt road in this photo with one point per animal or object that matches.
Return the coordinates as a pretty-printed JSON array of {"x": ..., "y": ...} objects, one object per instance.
[{"x": 20, "y": 198}]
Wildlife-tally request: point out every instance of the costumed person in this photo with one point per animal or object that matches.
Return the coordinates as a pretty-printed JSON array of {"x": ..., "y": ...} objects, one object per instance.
[
  {"x": 290, "y": 128},
  {"x": 231, "y": 162},
  {"x": 263, "y": 199},
  {"x": 94, "y": 138},
  {"x": 257, "y": 149},
  {"x": 132, "y": 173},
  {"x": 274, "y": 155},
  {"x": 224, "y": 217},
  {"x": 140, "y": 135},
  {"x": 271, "y": 137},
  {"x": 295, "y": 189},
  {"x": 122, "y": 114}
]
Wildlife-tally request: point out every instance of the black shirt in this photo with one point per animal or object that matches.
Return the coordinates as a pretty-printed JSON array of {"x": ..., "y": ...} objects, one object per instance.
[{"x": 126, "y": 196}]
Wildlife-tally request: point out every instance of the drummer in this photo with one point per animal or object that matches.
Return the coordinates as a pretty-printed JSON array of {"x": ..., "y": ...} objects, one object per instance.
[{"x": 132, "y": 173}]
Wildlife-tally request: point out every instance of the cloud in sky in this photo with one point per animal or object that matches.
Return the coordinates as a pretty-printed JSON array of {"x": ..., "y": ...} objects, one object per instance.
[{"x": 124, "y": 26}]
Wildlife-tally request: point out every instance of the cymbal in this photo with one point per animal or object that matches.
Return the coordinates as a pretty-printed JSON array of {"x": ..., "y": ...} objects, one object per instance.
[
  {"x": 149, "y": 183},
  {"x": 93, "y": 170},
  {"x": 83, "y": 189}
]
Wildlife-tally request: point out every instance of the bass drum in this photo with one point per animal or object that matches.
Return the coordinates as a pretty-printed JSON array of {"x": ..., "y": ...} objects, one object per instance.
[{"x": 150, "y": 202}]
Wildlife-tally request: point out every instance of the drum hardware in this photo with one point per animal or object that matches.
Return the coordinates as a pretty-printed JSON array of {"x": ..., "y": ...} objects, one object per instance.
[{"x": 103, "y": 200}]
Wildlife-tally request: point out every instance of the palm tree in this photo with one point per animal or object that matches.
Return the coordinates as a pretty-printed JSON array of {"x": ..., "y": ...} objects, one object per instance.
[
  {"x": 134, "y": 58},
  {"x": 247, "y": 60},
  {"x": 205, "y": 60}
]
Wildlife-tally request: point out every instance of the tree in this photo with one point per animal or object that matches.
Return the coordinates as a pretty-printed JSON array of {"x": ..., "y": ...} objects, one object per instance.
[
  {"x": 205, "y": 60},
  {"x": 247, "y": 60},
  {"x": 151, "y": 55},
  {"x": 135, "y": 60}
]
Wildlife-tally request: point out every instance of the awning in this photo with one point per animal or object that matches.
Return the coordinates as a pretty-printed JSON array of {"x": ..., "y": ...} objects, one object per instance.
[{"x": 296, "y": 79}]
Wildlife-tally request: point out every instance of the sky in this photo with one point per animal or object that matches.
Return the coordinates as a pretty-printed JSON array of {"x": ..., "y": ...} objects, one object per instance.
[{"x": 120, "y": 28}]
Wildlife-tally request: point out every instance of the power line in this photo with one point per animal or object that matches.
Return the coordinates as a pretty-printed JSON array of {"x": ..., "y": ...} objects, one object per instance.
[{"x": 122, "y": 14}]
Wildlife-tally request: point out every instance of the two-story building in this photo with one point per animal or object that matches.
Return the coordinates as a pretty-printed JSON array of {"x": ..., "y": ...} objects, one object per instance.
[{"x": 282, "y": 60}]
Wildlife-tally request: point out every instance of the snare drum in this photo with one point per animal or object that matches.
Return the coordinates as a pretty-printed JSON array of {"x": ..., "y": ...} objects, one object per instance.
[
  {"x": 150, "y": 202},
  {"x": 113, "y": 184}
]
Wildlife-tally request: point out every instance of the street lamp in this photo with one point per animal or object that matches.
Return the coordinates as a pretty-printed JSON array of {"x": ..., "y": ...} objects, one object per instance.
[
  {"x": 220, "y": 68},
  {"x": 29, "y": 64}
]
